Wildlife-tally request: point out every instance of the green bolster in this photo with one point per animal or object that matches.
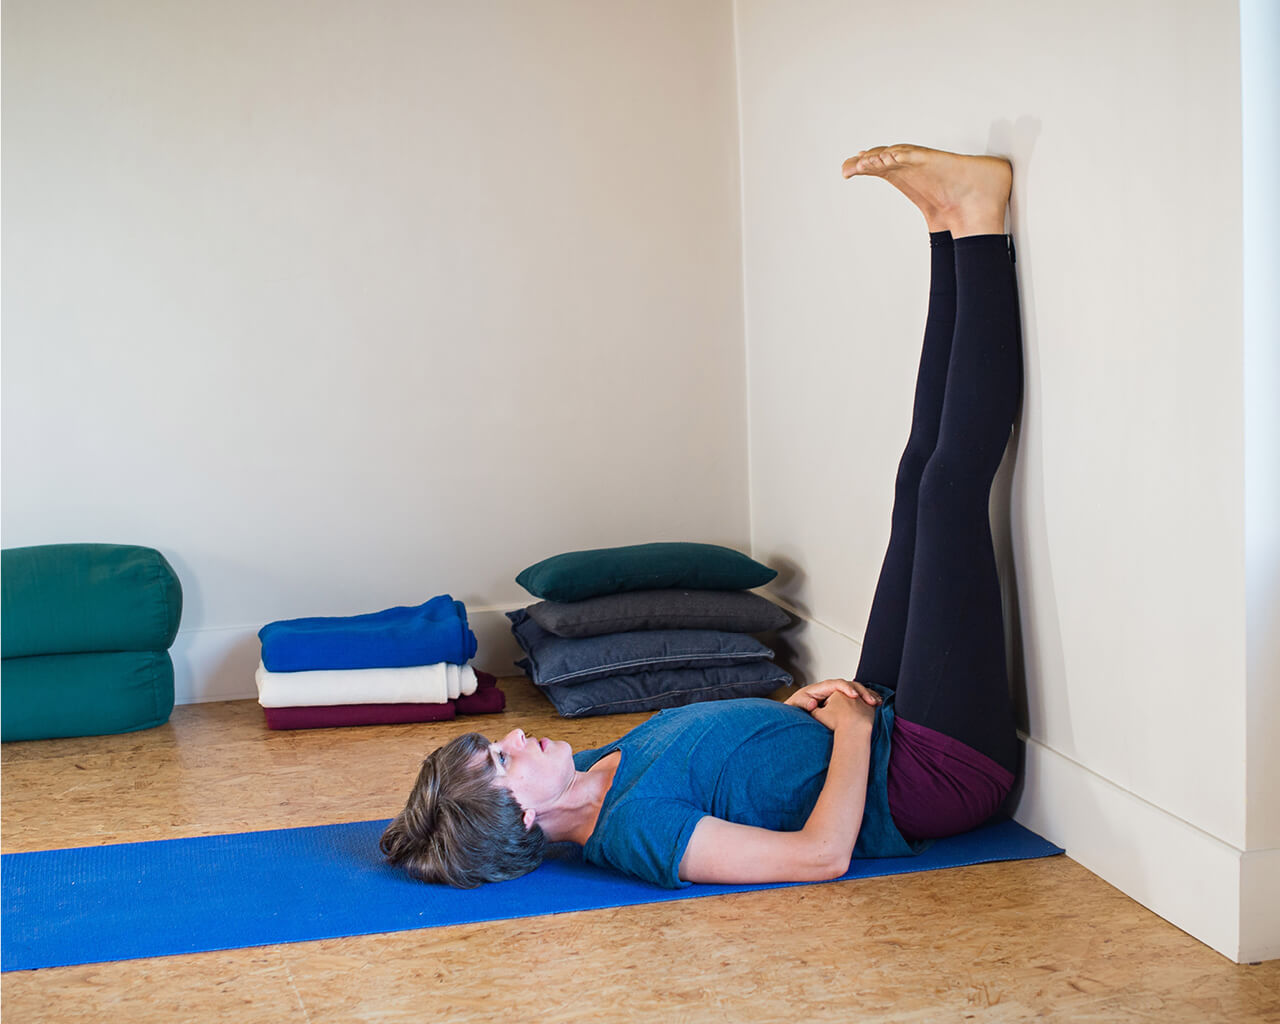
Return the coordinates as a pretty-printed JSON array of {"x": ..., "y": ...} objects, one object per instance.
[
  {"x": 80, "y": 598},
  {"x": 84, "y": 694}
]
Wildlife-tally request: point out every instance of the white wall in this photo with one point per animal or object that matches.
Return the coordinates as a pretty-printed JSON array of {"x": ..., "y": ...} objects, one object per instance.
[
  {"x": 346, "y": 305},
  {"x": 1123, "y": 121}
]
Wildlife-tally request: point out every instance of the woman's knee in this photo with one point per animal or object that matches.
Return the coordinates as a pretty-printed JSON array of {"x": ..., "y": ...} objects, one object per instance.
[
  {"x": 953, "y": 487},
  {"x": 910, "y": 469}
]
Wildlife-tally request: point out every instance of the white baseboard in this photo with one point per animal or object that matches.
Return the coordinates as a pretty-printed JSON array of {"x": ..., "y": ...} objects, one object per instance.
[
  {"x": 1260, "y": 906},
  {"x": 1216, "y": 892},
  {"x": 218, "y": 663}
]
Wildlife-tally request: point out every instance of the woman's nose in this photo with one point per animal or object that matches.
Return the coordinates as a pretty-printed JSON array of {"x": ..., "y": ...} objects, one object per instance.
[{"x": 515, "y": 737}]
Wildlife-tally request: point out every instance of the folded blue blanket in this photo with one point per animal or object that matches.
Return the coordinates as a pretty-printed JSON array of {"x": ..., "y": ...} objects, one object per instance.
[{"x": 394, "y": 638}]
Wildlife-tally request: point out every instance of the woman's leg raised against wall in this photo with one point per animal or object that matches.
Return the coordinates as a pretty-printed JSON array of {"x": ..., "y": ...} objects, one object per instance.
[
  {"x": 952, "y": 677},
  {"x": 887, "y": 624}
]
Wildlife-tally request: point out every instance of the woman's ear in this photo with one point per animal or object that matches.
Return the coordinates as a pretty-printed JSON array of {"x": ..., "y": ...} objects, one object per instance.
[{"x": 528, "y": 820}]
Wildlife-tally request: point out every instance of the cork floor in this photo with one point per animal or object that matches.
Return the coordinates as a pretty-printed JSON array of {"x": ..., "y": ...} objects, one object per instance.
[{"x": 1038, "y": 939}]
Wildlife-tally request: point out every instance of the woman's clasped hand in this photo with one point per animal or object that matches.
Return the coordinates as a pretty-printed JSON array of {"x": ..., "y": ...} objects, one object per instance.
[{"x": 836, "y": 702}]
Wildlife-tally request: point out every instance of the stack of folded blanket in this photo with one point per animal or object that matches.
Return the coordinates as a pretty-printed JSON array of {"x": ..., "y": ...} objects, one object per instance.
[
  {"x": 397, "y": 665},
  {"x": 647, "y": 626}
]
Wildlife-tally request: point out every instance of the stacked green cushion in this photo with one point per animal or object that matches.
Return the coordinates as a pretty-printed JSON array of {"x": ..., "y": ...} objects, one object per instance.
[
  {"x": 85, "y": 641},
  {"x": 579, "y": 575}
]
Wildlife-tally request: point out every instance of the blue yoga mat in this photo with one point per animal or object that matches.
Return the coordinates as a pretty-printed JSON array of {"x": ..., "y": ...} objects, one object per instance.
[{"x": 97, "y": 903}]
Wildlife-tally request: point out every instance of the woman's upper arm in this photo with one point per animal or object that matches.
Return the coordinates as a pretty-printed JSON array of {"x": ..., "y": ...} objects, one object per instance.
[{"x": 725, "y": 852}]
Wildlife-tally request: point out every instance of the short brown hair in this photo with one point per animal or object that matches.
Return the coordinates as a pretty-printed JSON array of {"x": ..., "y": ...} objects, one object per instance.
[{"x": 458, "y": 826}]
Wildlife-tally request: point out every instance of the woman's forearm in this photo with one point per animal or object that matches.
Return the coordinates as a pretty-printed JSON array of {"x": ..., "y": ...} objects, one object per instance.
[{"x": 834, "y": 822}]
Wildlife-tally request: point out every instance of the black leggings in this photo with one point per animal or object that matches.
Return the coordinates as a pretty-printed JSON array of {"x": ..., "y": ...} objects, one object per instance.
[{"x": 936, "y": 629}]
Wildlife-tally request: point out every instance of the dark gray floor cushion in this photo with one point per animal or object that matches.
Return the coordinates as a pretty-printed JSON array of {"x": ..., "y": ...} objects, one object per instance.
[
  {"x": 735, "y": 611},
  {"x": 561, "y": 661},
  {"x": 669, "y": 688}
]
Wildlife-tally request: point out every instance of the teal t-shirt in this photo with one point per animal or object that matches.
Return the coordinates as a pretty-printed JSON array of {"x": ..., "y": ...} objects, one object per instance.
[{"x": 752, "y": 761}]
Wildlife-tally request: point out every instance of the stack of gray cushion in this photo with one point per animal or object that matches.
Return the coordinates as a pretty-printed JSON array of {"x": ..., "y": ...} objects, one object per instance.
[{"x": 647, "y": 626}]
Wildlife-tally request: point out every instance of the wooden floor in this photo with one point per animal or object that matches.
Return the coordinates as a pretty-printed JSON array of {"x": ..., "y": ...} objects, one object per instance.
[{"x": 998, "y": 942}]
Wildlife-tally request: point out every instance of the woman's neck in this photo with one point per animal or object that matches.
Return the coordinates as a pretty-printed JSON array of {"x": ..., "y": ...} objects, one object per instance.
[{"x": 574, "y": 819}]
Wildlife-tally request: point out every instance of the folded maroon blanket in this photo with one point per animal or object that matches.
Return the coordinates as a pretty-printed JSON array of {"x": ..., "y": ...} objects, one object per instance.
[
  {"x": 485, "y": 701},
  {"x": 333, "y": 715},
  {"x": 488, "y": 699}
]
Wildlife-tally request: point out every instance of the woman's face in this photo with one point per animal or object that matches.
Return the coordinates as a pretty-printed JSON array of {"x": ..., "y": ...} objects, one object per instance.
[{"x": 537, "y": 772}]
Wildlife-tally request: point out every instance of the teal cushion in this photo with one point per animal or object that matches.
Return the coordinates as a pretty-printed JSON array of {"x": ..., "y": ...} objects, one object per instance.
[
  {"x": 84, "y": 694},
  {"x": 81, "y": 598},
  {"x": 578, "y": 575}
]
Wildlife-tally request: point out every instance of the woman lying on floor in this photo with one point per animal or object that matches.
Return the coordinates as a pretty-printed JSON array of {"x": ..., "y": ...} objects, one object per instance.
[{"x": 921, "y": 746}]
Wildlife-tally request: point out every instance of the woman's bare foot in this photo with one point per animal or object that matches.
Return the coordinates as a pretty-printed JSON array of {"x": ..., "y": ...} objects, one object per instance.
[{"x": 965, "y": 195}]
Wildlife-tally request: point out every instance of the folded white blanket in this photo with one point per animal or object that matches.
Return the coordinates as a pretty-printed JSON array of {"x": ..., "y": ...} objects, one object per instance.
[{"x": 419, "y": 684}]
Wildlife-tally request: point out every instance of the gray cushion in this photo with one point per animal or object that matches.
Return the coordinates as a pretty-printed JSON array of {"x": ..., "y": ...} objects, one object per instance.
[
  {"x": 555, "y": 660},
  {"x": 735, "y": 611},
  {"x": 665, "y": 688}
]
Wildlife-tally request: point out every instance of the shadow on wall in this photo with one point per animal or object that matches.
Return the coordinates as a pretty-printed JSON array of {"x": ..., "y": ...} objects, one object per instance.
[
  {"x": 789, "y": 650},
  {"x": 808, "y": 648},
  {"x": 789, "y": 582},
  {"x": 1020, "y": 516}
]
